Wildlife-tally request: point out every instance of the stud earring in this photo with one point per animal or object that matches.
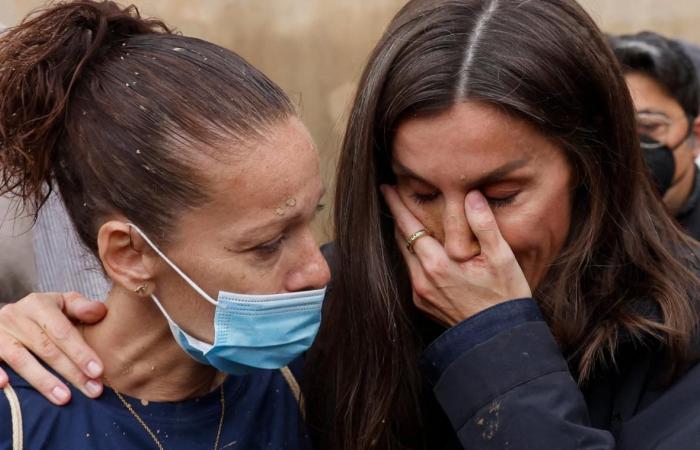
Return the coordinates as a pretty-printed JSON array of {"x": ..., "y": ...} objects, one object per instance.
[{"x": 141, "y": 290}]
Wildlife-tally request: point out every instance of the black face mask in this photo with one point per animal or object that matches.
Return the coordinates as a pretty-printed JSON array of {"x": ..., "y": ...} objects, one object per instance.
[{"x": 659, "y": 159}]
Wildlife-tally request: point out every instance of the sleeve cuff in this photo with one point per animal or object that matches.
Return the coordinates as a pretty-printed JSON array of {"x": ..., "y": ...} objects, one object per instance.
[{"x": 473, "y": 331}]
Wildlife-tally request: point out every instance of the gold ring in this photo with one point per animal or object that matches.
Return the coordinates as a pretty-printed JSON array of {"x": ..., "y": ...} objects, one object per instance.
[{"x": 414, "y": 237}]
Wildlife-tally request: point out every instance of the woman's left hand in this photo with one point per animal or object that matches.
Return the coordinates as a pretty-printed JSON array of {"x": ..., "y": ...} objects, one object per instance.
[{"x": 451, "y": 291}]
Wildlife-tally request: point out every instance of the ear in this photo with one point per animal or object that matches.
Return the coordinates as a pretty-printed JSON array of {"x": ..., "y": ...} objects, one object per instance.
[{"x": 127, "y": 261}]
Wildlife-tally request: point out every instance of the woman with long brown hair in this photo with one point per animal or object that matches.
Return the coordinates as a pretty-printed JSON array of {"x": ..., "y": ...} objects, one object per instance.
[
  {"x": 491, "y": 158},
  {"x": 505, "y": 129}
]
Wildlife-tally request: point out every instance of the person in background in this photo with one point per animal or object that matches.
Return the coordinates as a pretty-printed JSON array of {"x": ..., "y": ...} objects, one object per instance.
[
  {"x": 63, "y": 263},
  {"x": 693, "y": 52},
  {"x": 664, "y": 86}
]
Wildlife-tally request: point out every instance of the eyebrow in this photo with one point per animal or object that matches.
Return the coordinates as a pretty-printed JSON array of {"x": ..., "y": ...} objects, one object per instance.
[
  {"x": 496, "y": 174},
  {"x": 286, "y": 219}
]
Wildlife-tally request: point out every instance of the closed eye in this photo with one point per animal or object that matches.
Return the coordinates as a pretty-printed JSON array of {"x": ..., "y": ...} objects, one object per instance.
[
  {"x": 270, "y": 248},
  {"x": 421, "y": 199},
  {"x": 499, "y": 202}
]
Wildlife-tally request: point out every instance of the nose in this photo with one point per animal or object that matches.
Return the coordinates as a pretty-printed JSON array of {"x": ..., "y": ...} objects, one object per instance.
[
  {"x": 311, "y": 269},
  {"x": 459, "y": 240}
]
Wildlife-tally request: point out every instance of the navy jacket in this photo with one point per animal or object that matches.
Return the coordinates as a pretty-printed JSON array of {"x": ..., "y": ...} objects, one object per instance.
[{"x": 502, "y": 383}]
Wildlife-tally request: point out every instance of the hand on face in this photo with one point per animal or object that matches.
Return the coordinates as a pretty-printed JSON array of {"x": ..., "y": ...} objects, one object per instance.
[{"x": 451, "y": 291}]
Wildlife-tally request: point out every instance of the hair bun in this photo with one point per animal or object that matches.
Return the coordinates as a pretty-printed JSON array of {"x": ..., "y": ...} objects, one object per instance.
[{"x": 41, "y": 60}]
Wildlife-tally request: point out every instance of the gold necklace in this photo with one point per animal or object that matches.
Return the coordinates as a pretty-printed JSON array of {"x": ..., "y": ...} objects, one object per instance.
[{"x": 138, "y": 418}]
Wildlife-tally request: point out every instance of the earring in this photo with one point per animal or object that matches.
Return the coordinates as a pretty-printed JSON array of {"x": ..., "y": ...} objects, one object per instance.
[{"x": 141, "y": 290}]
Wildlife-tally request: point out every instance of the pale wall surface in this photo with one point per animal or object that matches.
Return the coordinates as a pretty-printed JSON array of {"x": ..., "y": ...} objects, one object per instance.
[{"x": 315, "y": 49}]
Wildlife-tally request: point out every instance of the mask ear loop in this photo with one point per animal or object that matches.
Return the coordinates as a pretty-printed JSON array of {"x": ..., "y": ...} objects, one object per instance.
[{"x": 189, "y": 281}]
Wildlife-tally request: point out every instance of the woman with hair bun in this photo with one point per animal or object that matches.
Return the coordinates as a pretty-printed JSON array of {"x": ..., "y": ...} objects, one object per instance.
[{"x": 187, "y": 172}]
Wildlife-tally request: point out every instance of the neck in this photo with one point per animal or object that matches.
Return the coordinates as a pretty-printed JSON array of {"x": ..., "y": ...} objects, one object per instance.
[
  {"x": 140, "y": 355},
  {"x": 677, "y": 195}
]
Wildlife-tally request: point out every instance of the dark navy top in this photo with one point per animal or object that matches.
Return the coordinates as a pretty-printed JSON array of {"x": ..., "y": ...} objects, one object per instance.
[{"x": 261, "y": 413}]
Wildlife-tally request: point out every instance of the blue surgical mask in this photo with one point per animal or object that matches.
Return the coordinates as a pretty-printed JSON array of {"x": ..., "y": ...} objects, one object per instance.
[{"x": 250, "y": 331}]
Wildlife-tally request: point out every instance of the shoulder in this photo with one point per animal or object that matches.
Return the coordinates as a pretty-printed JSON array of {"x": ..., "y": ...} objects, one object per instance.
[
  {"x": 41, "y": 419},
  {"x": 20, "y": 400}
]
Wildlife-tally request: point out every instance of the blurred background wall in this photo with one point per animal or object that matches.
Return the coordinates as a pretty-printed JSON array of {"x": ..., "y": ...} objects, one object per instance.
[{"x": 315, "y": 49}]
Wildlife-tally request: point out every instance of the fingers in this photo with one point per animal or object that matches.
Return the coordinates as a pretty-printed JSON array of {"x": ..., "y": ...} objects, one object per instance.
[
  {"x": 3, "y": 379},
  {"x": 26, "y": 366},
  {"x": 63, "y": 333},
  {"x": 82, "y": 309},
  {"x": 419, "y": 280},
  {"x": 430, "y": 253},
  {"x": 38, "y": 323},
  {"x": 483, "y": 223},
  {"x": 407, "y": 224}
]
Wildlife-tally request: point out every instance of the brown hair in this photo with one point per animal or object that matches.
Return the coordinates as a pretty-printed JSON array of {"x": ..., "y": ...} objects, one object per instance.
[
  {"x": 117, "y": 110},
  {"x": 545, "y": 62}
]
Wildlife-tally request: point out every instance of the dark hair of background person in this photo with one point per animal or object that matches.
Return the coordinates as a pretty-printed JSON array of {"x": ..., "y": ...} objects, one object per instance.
[
  {"x": 665, "y": 61},
  {"x": 545, "y": 62},
  {"x": 118, "y": 113}
]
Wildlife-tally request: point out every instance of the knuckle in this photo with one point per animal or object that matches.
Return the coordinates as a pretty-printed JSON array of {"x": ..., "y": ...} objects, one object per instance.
[
  {"x": 16, "y": 356},
  {"x": 502, "y": 259},
  {"x": 44, "y": 384},
  {"x": 46, "y": 349},
  {"x": 80, "y": 357},
  {"x": 421, "y": 288},
  {"x": 31, "y": 298},
  {"x": 8, "y": 309},
  {"x": 60, "y": 330},
  {"x": 8, "y": 313},
  {"x": 486, "y": 223},
  {"x": 436, "y": 266}
]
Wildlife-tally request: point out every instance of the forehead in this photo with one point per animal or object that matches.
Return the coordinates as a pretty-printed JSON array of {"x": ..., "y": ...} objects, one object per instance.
[
  {"x": 282, "y": 168},
  {"x": 648, "y": 94},
  {"x": 467, "y": 141}
]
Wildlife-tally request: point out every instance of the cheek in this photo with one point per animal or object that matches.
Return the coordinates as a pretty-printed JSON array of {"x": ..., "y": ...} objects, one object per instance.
[{"x": 536, "y": 232}]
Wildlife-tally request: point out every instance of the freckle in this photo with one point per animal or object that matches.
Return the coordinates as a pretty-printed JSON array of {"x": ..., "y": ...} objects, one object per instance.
[
  {"x": 291, "y": 202},
  {"x": 279, "y": 211}
]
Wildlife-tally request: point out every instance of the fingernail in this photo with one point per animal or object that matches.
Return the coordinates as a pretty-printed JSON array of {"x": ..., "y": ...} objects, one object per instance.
[
  {"x": 476, "y": 201},
  {"x": 94, "y": 369},
  {"x": 60, "y": 394},
  {"x": 93, "y": 387}
]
